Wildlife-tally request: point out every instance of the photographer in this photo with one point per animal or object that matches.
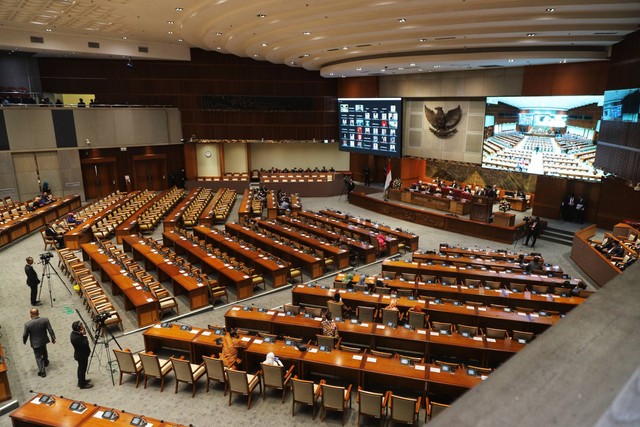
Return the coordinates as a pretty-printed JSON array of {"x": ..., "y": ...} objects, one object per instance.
[
  {"x": 532, "y": 230},
  {"x": 32, "y": 281},
  {"x": 81, "y": 352}
]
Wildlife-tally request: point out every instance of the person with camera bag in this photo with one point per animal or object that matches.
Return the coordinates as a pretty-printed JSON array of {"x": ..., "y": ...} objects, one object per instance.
[
  {"x": 32, "y": 281},
  {"x": 81, "y": 352}
]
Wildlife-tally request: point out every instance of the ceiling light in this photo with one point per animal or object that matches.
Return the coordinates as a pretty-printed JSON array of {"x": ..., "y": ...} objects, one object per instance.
[
  {"x": 264, "y": 45},
  {"x": 402, "y": 20},
  {"x": 345, "y": 48},
  {"x": 179, "y": 40},
  {"x": 255, "y": 55},
  {"x": 563, "y": 61},
  {"x": 49, "y": 30},
  {"x": 261, "y": 15},
  {"x": 179, "y": 9},
  {"x": 305, "y": 55},
  {"x": 359, "y": 69},
  {"x": 170, "y": 22},
  {"x": 400, "y": 68},
  {"x": 412, "y": 65},
  {"x": 124, "y": 37},
  {"x": 170, "y": 32},
  {"x": 218, "y": 34},
  {"x": 436, "y": 66},
  {"x": 331, "y": 74},
  {"x": 531, "y": 34},
  {"x": 383, "y": 70},
  {"x": 551, "y": 9},
  {"x": 511, "y": 60},
  {"x": 218, "y": 48},
  {"x": 307, "y": 33},
  {"x": 423, "y": 40}
]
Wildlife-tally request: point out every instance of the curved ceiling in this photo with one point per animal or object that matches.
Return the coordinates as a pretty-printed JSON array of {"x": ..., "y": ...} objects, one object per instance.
[{"x": 338, "y": 38}]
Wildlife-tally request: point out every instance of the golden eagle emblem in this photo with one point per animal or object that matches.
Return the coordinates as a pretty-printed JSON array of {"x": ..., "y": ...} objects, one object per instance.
[{"x": 443, "y": 123}]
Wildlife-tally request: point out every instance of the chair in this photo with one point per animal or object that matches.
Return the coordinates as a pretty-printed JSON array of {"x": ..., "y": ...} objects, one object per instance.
[
  {"x": 335, "y": 308},
  {"x": 448, "y": 281},
  {"x": 295, "y": 272},
  {"x": 306, "y": 392},
  {"x": 442, "y": 327},
  {"x": 275, "y": 376},
  {"x": 447, "y": 366},
  {"x": 242, "y": 383},
  {"x": 389, "y": 275},
  {"x": 525, "y": 337},
  {"x": 328, "y": 341},
  {"x": 434, "y": 409},
  {"x": 187, "y": 373},
  {"x": 290, "y": 308},
  {"x": 517, "y": 287},
  {"x": 409, "y": 277},
  {"x": 467, "y": 331},
  {"x": 128, "y": 363},
  {"x": 48, "y": 241},
  {"x": 416, "y": 319},
  {"x": 404, "y": 409},
  {"x": 494, "y": 333},
  {"x": 383, "y": 290},
  {"x": 366, "y": 314},
  {"x": 350, "y": 349},
  {"x": 479, "y": 371},
  {"x": 335, "y": 398},
  {"x": 428, "y": 278},
  {"x": 383, "y": 354},
  {"x": 215, "y": 370},
  {"x": 406, "y": 293},
  {"x": 492, "y": 284},
  {"x": 390, "y": 317},
  {"x": 539, "y": 289},
  {"x": 154, "y": 367},
  {"x": 313, "y": 311},
  {"x": 472, "y": 283},
  {"x": 165, "y": 300},
  {"x": 372, "y": 404}
]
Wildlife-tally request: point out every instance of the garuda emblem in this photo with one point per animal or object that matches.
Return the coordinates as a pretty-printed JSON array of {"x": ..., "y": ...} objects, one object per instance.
[{"x": 444, "y": 124}]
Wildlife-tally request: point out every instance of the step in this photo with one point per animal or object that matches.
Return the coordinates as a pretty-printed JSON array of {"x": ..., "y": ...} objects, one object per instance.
[
  {"x": 559, "y": 231},
  {"x": 558, "y": 235},
  {"x": 555, "y": 240}
]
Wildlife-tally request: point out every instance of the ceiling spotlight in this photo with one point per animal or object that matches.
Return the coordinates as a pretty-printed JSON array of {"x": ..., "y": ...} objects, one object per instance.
[
  {"x": 307, "y": 33},
  {"x": 306, "y": 55},
  {"x": 180, "y": 40},
  {"x": 170, "y": 22},
  {"x": 218, "y": 33},
  {"x": 255, "y": 55},
  {"x": 179, "y": 9},
  {"x": 402, "y": 20},
  {"x": 359, "y": 69},
  {"x": 264, "y": 45},
  {"x": 551, "y": 9},
  {"x": 218, "y": 48},
  {"x": 563, "y": 61},
  {"x": 531, "y": 34},
  {"x": 170, "y": 32},
  {"x": 383, "y": 70},
  {"x": 130, "y": 64},
  {"x": 345, "y": 48},
  {"x": 511, "y": 60},
  {"x": 124, "y": 37},
  {"x": 49, "y": 30},
  {"x": 423, "y": 40},
  {"x": 261, "y": 15},
  {"x": 412, "y": 65}
]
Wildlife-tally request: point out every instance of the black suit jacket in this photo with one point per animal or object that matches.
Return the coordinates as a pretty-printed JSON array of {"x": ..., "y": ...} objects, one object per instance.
[
  {"x": 36, "y": 331},
  {"x": 81, "y": 349},
  {"x": 32, "y": 276}
]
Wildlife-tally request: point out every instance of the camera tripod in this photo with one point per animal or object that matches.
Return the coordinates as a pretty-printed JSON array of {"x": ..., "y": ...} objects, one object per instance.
[
  {"x": 46, "y": 273},
  {"x": 346, "y": 189},
  {"x": 101, "y": 339}
]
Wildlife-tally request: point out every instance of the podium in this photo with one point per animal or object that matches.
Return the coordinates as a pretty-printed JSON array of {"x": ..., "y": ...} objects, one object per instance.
[{"x": 481, "y": 208}]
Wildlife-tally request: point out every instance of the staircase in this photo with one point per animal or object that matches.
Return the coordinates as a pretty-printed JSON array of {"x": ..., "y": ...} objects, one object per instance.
[{"x": 557, "y": 235}]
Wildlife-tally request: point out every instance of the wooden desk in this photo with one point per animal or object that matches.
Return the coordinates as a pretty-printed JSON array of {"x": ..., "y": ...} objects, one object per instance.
[
  {"x": 226, "y": 275},
  {"x": 58, "y": 414},
  {"x": 311, "y": 264},
  {"x": 431, "y": 201},
  {"x": 5, "y": 390},
  {"x": 486, "y": 254},
  {"x": 479, "y": 262},
  {"x": 172, "y": 220},
  {"x": 276, "y": 270},
  {"x": 590, "y": 260}
]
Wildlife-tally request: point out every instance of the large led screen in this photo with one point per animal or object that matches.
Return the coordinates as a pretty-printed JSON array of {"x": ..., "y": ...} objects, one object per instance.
[
  {"x": 371, "y": 125},
  {"x": 550, "y": 135}
]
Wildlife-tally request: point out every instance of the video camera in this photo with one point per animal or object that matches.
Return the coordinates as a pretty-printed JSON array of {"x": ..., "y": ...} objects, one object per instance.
[
  {"x": 45, "y": 257},
  {"x": 526, "y": 219},
  {"x": 101, "y": 317}
]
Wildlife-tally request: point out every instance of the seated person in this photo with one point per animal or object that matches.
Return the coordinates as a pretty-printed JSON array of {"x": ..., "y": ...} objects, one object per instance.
[
  {"x": 329, "y": 327},
  {"x": 71, "y": 219},
  {"x": 581, "y": 286},
  {"x": 393, "y": 305},
  {"x": 272, "y": 360},
  {"x": 616, "y": 251},
  {"x": 382, "y": 243},
  {"x": 49, "y": 231},
  {"x": 416, "y": 308},
  {"x": 535, "y": 264}
]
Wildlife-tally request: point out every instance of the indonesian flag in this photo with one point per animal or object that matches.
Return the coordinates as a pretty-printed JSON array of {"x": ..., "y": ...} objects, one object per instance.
[{"x": 387, "y": 181}]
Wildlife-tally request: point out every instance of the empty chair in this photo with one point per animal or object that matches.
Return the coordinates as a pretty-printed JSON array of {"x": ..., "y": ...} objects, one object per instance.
[
  {"x": 128, "y": 363},
  {"x": 492, "y": 284},
  {"x": 165, "y": 300},
  {"x": 313, "y": 311},
  {"x": 472, "y": 283},
  {"x": 524, "y": 310},
  {"x": 523, "y": 337},
  {"x": 496, "y": 333},
  {"x": 360, "y": 288},
  {"x": 409, "y": 277},
  {"x": 404, "y": 409},
  {"x": 291, "y": 309},
  {"x": 449, "y": 281},
  {"x": 389, "y": 275},
  {"x": 428, "y": 278},
  {"x": 372, "y": 404},
  {"x": 383, "y": 290},
  {"x": 390, "y": 317},
  {"x": 336, "y": 309},
  {"x": 467, "y": 331},
  {"x": 154, "y": 367},
  {"x": 187, "y": 373},
  {"x": 442, "y": 327},
  {"x": 305, "y": 392},
  {"x": 366, "y": 314},
  {"x": 477, "y": 370},
  {"x": 383, "y": 354},
  {"x": 275, "y": 376},
  {"x": 295, "y": 272},
  {"x": 241, "y": 382},
  {"x": 416, "y": 319},
  {"x": 539, "y": 289},
  {"x": 517, "y": 287},
  {"x": 434, "y": 409},
  {"x": 216, "y": 371},
  {"x": 328, "y": 341},
  {"x": 447, "y": 366},
  {"x": 350, "y": 349},
  {"x": 404, "y": 293},
  {"x": 335, "y": 398}
]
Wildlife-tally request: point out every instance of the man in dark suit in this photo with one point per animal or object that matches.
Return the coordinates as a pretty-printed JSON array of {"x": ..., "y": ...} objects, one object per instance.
[
  {"x": 81, "y": 352},
  {"x": 35, "y": 330},
  {"x": 532, "y": 231},
  {"x": 581, "y": 205},
  {"x": 51, "y": 232},
  {"x": 32, "y": 281}
]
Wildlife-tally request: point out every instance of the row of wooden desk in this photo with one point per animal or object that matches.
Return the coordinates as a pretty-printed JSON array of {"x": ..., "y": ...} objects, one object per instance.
[
  {"x": 362, "y": 369},
  {"x": 410, "y": 240},
  {"x": 480, "y": 262},
  {"x": 460, "y": 273},
  {"x": 63, "y": 412},
  {"x": 226, "y": 274},
  {"x": 471, "y": 315},
  {"x": 31, "y": 221},
  {"x": 130, "y": 225},
  {"x": 310, "y": 263},
  {"x": 486, "y": 254}
]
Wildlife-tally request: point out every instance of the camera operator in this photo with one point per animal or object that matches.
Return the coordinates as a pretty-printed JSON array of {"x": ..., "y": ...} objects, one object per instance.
[
  {"x": 81, "y": 352},
  {"x": 32, "y": 281}
]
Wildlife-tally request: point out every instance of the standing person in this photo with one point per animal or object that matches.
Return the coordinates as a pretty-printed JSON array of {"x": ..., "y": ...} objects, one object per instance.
[
  {"x": 35, "y": 330},
  {"x": 569, "y": 206},
  {"x": 32, "y": 281},
  {"x": 367, "y": 175},
  {"x": 533, "y": 230},
  {"x": 581, "y": 205},
  {"x": 81, "y": 352}
]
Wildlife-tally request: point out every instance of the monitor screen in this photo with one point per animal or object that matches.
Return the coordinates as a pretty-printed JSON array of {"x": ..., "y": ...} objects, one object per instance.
[
  {"x": 370, "y": 126},
  {"x": 550, "y": 135}
]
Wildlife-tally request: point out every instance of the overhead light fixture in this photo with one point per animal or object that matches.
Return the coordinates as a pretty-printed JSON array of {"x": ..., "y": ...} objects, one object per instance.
[
  {"x": 218, "y": 33},
  {"x": 180, "y": 40},
  {"x": 261, "y": 15},
  {"x": 130, "y": 64},
  {"x": 359, "y": 69},
  {"x": 402, "y": 20},
  {"x": 307, "y": 33},
  {"x": 49, "y": 30},
  {"x": 551, "y": 9},
  {"x": 255, "y": 55},
  {"x": 345, "y": 48},
  {"x": 179, "y": 9},
  {"x": 412, "y": 65},
  {"x": 531, "y": 34},
  {"x": 218, "y": 48},
  {"x": 306, "y": 55},
  {"x": 563, "y": 61},
  {"x": 264, "y": 45},
  {"x": 124, "y": 37},
  {"x": 170, "y": 22},
  {"x": 169, "y": 32},
  {"x": 511, "y": 60}
]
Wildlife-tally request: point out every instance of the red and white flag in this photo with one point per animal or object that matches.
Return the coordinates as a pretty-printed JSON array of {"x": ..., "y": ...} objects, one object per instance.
[{"x": 387, "y": 181}]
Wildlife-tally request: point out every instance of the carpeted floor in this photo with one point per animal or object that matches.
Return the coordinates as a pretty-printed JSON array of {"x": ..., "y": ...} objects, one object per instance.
[{"x": 206, "y": 409}]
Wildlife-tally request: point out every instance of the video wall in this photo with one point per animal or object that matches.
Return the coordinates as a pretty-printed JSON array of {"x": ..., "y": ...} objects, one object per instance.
[
  {"x": 371, "y": 125},
  {"x": 551, "y": 135}
]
